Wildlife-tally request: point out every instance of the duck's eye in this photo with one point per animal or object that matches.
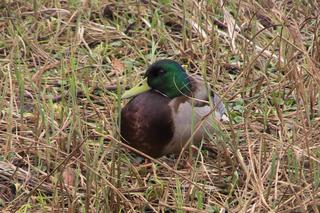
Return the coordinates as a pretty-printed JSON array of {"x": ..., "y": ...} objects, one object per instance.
[
  {"x": 161, "y": 72},
  {"x": 157, "y": 72}
]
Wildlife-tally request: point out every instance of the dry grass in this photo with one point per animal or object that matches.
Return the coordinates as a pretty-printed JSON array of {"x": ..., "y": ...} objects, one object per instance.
[{"x": 64, "y": 64}]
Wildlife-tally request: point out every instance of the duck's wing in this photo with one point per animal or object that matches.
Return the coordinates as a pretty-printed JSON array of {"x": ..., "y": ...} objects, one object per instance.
[
  {"x": 194, "y": 109},
  {"x": 219, "y": 106},
  {"x": 203, "y": 98}
]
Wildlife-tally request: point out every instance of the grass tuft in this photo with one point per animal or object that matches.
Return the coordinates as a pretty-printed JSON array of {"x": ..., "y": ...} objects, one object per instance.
[{"x": 65, "y": 64}]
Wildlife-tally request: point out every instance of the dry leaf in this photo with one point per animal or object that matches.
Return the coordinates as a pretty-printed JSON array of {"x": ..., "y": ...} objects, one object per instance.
[
  {"x": 117, "y": 65},
  {"x": 68, "y": 176}
]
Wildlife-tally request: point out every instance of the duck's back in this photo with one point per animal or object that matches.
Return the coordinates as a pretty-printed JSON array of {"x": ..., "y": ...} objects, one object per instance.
[{"x": 146, "y": 123}]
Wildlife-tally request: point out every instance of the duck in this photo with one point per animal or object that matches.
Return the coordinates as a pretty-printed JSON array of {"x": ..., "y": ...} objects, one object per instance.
[{"x": 165, "y": 109}]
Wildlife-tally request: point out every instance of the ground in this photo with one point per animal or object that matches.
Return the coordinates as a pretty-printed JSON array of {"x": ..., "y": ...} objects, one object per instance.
[{"x": 64, "y": 65}]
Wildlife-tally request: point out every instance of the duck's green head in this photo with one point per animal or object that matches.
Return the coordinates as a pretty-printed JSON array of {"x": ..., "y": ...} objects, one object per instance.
[{"x": 165, "y": 76}]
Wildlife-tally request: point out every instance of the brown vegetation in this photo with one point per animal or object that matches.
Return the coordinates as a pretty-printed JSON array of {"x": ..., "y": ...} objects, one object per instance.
[{"x": 64, "y": 64}]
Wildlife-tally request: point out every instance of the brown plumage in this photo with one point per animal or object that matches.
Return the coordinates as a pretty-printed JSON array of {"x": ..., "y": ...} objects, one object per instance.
[{"x": 143, "y": 123}]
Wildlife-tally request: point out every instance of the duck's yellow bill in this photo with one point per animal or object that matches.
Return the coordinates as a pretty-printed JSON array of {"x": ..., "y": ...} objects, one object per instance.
[{"x": 141, "y": 87}]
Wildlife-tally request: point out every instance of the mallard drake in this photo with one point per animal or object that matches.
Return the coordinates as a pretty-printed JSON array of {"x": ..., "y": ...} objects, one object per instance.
[{"x": 166, "y": 108}]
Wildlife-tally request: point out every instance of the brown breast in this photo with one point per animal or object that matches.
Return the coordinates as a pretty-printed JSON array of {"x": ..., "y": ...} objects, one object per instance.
[{"x": 147, "y": 124}]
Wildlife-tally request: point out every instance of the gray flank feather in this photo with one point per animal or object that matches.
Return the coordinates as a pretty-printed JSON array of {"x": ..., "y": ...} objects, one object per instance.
[{"x": 220, "y": 108}]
